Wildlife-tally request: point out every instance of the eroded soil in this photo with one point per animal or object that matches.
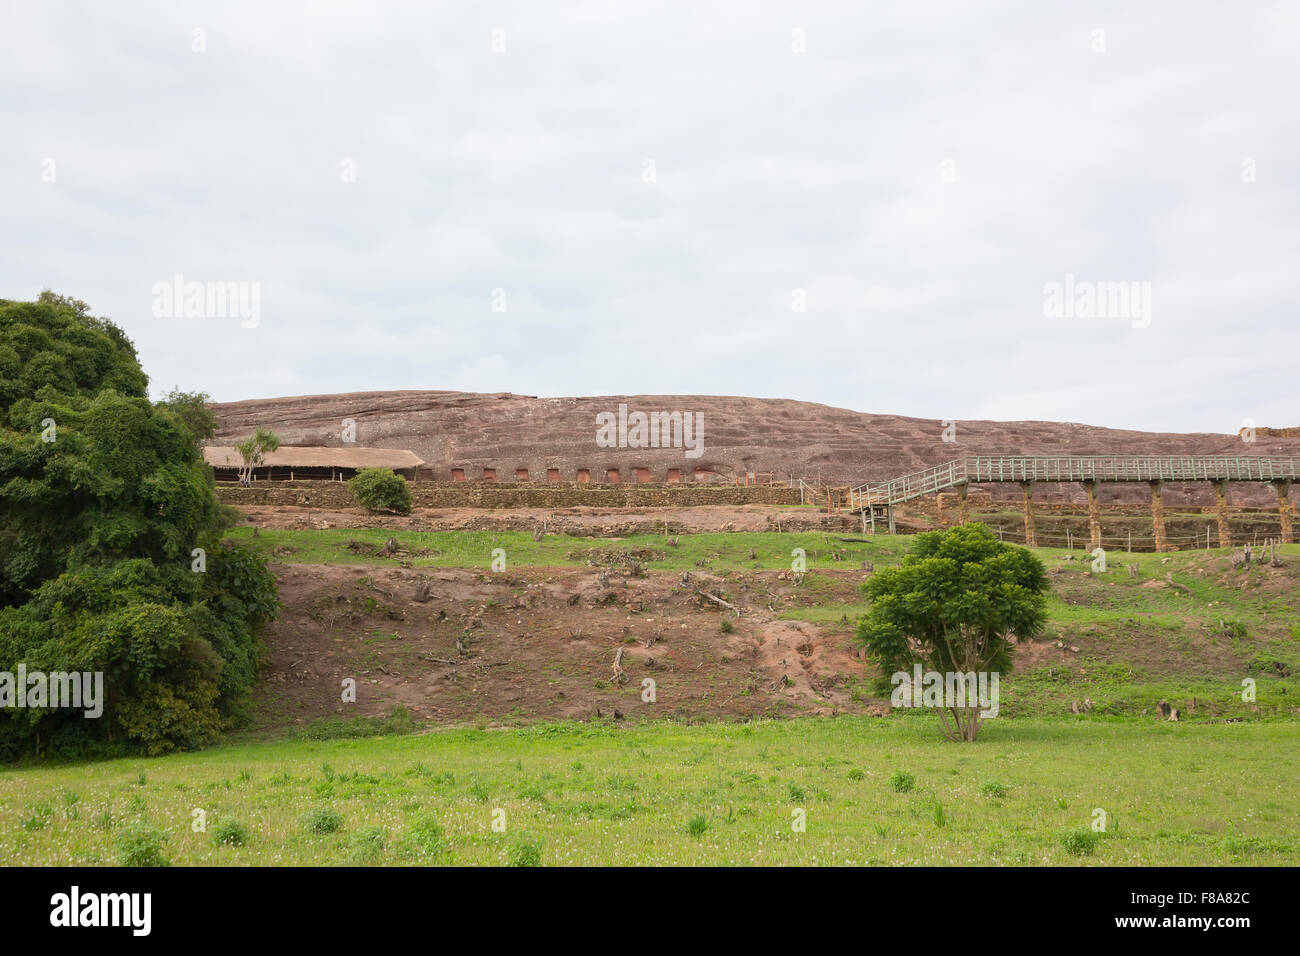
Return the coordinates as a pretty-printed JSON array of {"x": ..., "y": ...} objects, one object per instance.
[{"x": 459, "y": 645}]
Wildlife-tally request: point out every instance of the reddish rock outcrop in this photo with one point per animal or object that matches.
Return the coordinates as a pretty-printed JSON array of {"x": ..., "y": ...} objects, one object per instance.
[{"x": 503, "y": 433}]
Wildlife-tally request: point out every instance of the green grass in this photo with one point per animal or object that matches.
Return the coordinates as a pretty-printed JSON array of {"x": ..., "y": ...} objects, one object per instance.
[
  {"x": 372, "y": 791},
  {"x": 833, "y": 613},
  {"x": 721, "y": 551},
  {"x": 1118, "y": 690},
  {"x": 664, "y": 793},
  {"x": 473, "y": 549}
]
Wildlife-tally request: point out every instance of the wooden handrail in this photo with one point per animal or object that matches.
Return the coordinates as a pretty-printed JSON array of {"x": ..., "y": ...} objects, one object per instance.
[{"x": 984, "y": 469}]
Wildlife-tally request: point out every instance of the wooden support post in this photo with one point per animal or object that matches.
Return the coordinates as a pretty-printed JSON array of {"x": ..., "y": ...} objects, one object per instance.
[
  {"x": 1094, "y": 516},
  {"x": 1031, "y": 539},
  {"x": 961, "y": 498},
  {"x": 1158, "y": 514},
  {"x": 1221, "y": 513},
  {"x": 1283, "y": 487},
  {"x": 889, "y": 510}
]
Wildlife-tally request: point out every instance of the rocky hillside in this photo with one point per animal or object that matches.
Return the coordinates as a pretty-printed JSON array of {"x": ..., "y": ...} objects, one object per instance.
[{"x": 506, "y": 432}]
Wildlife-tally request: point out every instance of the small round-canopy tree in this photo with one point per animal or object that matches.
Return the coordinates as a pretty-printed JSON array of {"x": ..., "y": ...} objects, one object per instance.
[
  {"x": 254, "y": 450},
  {"x": 953, "y": 607},
  {"x": 378, "y": 489}
]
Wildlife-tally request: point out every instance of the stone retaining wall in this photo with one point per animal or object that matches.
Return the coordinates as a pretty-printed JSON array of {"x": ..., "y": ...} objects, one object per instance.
[{"x": 328, "y": 494}]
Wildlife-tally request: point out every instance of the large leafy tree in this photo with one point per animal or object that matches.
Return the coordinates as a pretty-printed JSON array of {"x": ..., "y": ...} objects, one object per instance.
[
  {"x": 111, "y": 558},
  {"x": 191, "y": 408},
  {"x": 954, "y": 606}
]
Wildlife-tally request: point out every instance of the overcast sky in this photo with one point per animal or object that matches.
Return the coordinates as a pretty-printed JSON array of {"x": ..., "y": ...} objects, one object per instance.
[{"x": 652, "y": 194}]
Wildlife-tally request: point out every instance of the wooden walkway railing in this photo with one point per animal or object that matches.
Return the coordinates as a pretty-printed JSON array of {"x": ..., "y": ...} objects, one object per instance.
[{"x": 1107, "y": 468}]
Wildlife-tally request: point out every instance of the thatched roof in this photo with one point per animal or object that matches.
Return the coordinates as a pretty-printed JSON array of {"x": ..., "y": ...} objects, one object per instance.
[{"x": 317, "y": 456}]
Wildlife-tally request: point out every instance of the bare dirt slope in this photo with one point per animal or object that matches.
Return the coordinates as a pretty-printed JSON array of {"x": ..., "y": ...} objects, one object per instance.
[
  {"x": 505, "y": 431},
  {"x": 461, "y": 646},
  {"x": 458, "y": 645}
]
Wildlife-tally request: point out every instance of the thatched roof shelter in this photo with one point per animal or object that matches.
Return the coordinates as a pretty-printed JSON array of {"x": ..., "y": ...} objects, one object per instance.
[{"x": 313, "y": 461}]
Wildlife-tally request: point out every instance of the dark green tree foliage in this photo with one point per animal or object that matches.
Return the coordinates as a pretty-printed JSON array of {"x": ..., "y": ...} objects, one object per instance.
[
  {"x": 53, "y": 343},
  {"x": 104, "y": 500},
  {"x": 192, "y": 410},
  {"x": 958, "y": 591},
  {"x": 254, "y": 450},
  {"x": 378, "y": 489}
]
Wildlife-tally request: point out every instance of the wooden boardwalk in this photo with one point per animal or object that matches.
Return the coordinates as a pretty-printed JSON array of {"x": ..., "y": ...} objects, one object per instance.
[
  {"x": 1109, "y": 468},
  {"x": 875, "y": 498}
]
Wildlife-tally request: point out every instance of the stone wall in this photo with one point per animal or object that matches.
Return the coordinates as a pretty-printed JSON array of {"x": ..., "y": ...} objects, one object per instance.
[{"x": 333, "y": 494}]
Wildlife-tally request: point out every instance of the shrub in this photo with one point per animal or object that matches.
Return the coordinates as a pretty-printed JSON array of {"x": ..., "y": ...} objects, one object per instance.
[
  {"x": 1239, "y": 845},
  {"x": 525, "y": 852},
  {"x": 39, "y": 814},
  {"x": 429, "y": 836},
  {"x": 230, "y": 833},
  {"x": 902, "y": 781},
  {"x": 1234, "y": 629},
  {"x": 398, "y": 721},
  {"x": 1269, "y": 665},
  {"x": 1081, "y": 842},
  {"x": 940, "y": 817},
  {"x": 532, "y": 791},
  {"x": 378, "y": 489},
  {"x": 322, "y": 820},
  {"x": 141, "y": 845},
  {"x": 368, "y": 845}
]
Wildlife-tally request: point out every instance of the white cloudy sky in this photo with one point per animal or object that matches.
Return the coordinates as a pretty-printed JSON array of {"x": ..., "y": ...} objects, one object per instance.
[{"x": 524, "y": 170}]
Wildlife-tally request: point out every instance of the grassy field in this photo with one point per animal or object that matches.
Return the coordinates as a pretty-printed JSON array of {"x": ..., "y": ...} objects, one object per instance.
[
  {"x": 873, "y": 791},
  {"x": 1182, "y": 626},
  {"x": 473, "y": 549},
  {"x": 717, "y": 551}
]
